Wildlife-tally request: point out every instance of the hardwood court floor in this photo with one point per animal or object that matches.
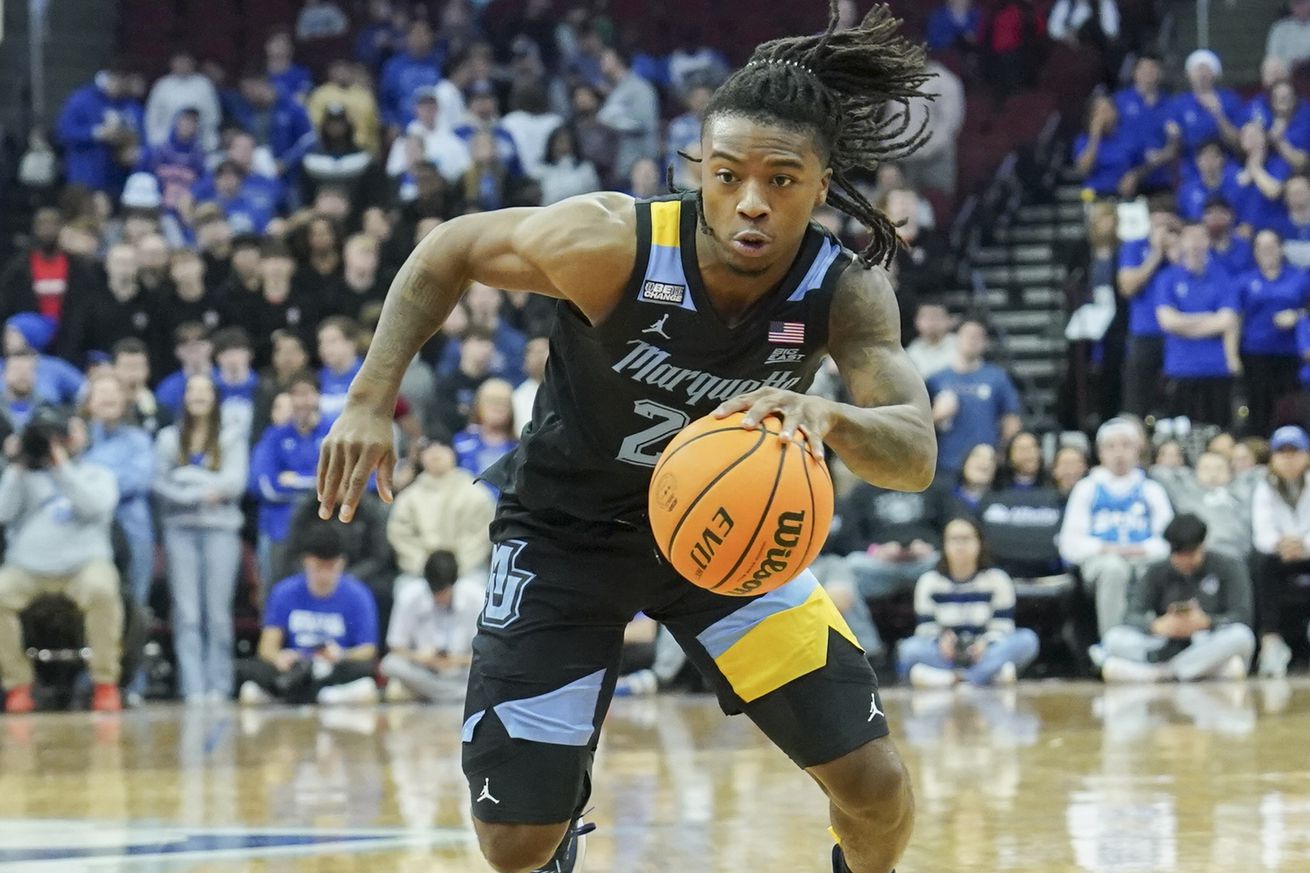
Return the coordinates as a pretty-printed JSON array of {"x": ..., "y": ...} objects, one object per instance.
[{"x": 1046, "y": 777}]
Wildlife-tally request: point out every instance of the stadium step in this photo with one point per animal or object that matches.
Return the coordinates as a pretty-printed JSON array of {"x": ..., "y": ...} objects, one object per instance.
[
  {"x": 1069, "y": 194},
  {"x": 1040, "y": 233},
  {"x": 1018, "y": 320},
  {"x": 1041, "y": 398},
  {"x": 965, "y": 301},
  {"x": 1051, "y": 298},
  {"x": 1022, "y": 275},
  {"x": 1036, "y": 369},
  {"x": 1032, "y": 253},
  {"x": 1051, "y": 213},
  {"x": 1033, "y": 345}
]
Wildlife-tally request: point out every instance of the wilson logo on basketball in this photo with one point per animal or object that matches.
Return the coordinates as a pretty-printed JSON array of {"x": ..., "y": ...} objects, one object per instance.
[
  {"x": 786, "y": 537},
  {"x": 703, "y": 552},
  {"x": 739, "y": 511}
]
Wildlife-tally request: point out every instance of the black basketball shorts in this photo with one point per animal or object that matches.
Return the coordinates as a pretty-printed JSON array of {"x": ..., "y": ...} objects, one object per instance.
[{"x": 546, "y": 656}]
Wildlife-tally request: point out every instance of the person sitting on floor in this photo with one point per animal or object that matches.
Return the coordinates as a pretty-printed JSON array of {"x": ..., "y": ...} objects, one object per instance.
[
  {"x": 320, "y": 633},
  {"x": 966, "y": 619},
  {"x": 431, "y": 633},
  {"x": 1189, "y": 616}
]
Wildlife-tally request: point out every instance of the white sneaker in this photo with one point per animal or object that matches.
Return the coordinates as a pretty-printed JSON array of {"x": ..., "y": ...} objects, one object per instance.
[
  {"x": 1234, "y": 669},
  {"x": 252, "y": 695},
  {"x": 1007, "y": 675},
  {"x": 1116, "y": 669},
  {"x": 397, "y": 692},
  {"x": 927, "y": 676},
  {"x": 361, "y": 692},
  {"x": 637, "y": 684},
  {"x": 1275, "y": 655}
]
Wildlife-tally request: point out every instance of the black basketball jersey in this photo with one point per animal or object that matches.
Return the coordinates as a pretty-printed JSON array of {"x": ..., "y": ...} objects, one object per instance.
[{"x": 615, "y": 394}]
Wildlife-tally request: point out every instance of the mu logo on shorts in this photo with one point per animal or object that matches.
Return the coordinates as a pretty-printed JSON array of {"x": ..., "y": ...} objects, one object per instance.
[{"x": 505, "y": 587}]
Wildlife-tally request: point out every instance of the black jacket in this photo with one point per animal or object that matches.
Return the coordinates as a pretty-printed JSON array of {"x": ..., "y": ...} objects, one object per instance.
[
  {"x": 877, "y": 515},
  {"x": 17, "y": 295},
  {"x": 1222, "y": 587}
]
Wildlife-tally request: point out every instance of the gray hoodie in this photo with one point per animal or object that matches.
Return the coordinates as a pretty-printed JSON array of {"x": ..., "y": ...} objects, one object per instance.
[
  {"x": 183, "y": 489},
  {"x": 1226, "y": 511},
  {"x": 58, "y": 519}
]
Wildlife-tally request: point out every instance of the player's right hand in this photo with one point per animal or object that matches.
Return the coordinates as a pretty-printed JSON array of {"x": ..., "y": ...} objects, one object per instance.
[{"x": 359, "y": 442}]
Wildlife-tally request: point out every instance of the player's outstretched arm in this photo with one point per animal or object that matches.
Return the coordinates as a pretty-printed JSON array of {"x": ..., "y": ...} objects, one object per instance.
[
  {"x": 886, "y": 435},
  {"x": 581, "y": 249}
]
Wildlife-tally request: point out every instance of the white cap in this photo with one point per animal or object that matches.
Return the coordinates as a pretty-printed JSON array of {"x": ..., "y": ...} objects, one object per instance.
[
  {"x": 141, "y": 192},
  {"x": 1204, "y": 56}
]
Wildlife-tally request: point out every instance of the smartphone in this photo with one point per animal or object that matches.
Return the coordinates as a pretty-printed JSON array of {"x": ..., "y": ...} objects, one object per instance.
[{"x": 1180, "y": 606}]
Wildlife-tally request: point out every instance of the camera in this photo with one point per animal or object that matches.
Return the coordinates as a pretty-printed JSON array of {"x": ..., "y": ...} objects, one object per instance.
[
  {"x": 36, "y": 438},
  {"x": 299, "y": 674}
]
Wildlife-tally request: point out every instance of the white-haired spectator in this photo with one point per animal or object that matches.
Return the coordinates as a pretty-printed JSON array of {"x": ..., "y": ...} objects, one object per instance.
[{"x": 1114, "y": 521}]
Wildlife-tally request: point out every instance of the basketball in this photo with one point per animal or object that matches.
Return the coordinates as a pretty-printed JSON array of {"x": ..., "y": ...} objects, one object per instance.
[{"x": 736, "y": 511}]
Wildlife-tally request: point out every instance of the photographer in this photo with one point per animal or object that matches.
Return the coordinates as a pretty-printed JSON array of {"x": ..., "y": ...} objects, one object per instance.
[
  {"x": 1189, "y": 616},
  {"x": 966, "y": 626},
  {"x": 59, "y": 512},
  {"x": 319, "y": 641}
]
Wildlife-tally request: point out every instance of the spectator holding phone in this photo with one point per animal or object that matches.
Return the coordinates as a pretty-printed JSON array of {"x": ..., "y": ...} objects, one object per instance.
[
  {"x": 1189, "y": 616},
  {"x": 319, "y": 641}
]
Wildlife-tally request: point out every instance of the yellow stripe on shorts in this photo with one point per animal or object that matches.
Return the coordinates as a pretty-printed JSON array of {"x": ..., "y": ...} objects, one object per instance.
[{"x": 783, "y": 646}]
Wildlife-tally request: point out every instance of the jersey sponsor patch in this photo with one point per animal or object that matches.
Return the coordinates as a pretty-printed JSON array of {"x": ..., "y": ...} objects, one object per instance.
[
  {"x": 662, "y": 292},
  {"x": 787, "y": 333}
]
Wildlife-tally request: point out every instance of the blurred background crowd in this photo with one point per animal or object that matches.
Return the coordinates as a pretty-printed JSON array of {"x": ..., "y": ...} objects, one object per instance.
[{"x": 1102, "y": 282}]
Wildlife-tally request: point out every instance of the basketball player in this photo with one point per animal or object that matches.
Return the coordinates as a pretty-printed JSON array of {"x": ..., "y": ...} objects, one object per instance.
[{"x": 723, "y": 299}]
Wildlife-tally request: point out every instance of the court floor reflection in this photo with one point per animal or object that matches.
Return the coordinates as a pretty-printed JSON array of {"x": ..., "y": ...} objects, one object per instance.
[{"x": 1044, "y": 777}]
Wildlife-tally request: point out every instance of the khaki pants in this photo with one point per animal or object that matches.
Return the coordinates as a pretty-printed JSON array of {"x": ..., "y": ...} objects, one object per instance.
[{"x": 95, "y": 590}]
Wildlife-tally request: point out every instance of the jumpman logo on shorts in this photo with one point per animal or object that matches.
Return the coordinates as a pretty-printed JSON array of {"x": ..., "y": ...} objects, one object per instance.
[
  {"x": 658, "y": 327},
  {"x": 486, "y": 793},
  {"x": 874, "y": 711}
]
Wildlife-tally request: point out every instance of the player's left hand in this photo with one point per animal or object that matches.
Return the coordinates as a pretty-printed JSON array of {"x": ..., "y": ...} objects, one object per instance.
[{"x": 811, "y": 417}]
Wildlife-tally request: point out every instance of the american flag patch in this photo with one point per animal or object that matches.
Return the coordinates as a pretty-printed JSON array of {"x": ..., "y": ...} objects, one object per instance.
[{"x": 787, "y": 333}]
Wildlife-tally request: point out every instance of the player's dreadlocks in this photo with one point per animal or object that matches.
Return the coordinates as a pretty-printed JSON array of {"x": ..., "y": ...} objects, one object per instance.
[{"x": 838, "y": 84}]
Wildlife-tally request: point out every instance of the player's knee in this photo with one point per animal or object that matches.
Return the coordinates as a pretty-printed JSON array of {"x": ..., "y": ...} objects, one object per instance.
[
  {"x": 873, "y": 785},
  {"x": 515, "y": 848}
]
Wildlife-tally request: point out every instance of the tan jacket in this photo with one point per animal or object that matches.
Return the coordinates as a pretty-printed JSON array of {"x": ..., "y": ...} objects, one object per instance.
[
  {"x": 361, "y": 108},
  {"x": 451, "y": 512}
]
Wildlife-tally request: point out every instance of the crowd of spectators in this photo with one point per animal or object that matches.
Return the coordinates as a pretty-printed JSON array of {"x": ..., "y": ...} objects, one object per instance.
[
  {"x": 203, "y": 274},
  {"x": 1197, "y": 251}
]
